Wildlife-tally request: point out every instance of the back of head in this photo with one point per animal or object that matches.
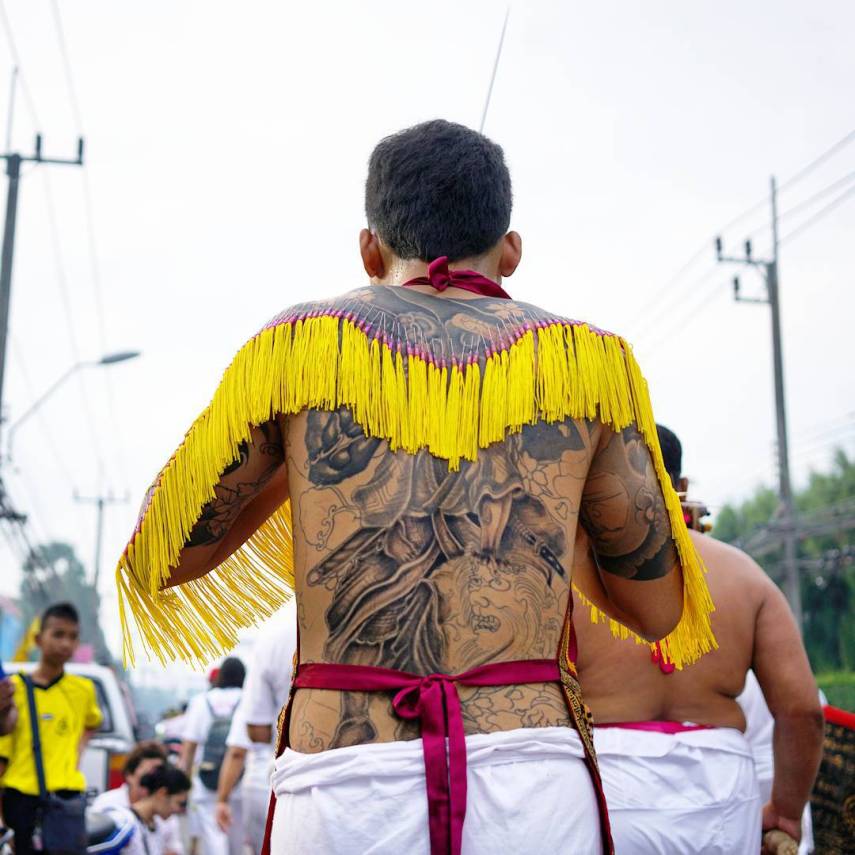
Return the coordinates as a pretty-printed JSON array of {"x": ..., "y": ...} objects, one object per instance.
[
  {"x": 60, "y": 611},
  {"x": 170, "y": 777},
  {"x": 437, "y": 189},
  {"x": 232, "y": 674},
  {"x": 149, "y": 750},
  {"x": 672, "y": 453}
]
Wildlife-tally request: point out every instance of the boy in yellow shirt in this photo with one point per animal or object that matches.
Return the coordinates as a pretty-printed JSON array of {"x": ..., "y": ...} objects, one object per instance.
[{"x": 67, "y": 713}]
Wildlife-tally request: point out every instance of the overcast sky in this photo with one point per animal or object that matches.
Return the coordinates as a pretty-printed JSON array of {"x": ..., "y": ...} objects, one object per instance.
[{"x": 226, "y": 153}]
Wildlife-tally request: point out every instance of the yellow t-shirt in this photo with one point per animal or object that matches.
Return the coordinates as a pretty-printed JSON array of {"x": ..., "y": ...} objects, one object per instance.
[{"x": 66, "y": 709}]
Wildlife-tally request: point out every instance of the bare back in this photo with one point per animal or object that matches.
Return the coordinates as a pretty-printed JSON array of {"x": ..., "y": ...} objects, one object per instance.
[
  {"x": 404, "y": 564},
  {"x": 408, "y": 561},
  {"x": 622, "y": 682}
]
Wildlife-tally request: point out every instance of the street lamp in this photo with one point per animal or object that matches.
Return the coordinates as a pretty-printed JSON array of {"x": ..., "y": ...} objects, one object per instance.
[{"x": 108, "y": 359}]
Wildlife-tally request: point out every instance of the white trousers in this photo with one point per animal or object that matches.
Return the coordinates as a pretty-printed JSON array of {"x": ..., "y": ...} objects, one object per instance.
[
  {"x": 680, "y": 794},
  {"x": 528, "y": 792},
  {"x": 255, "y": 787},
  {"x": 203, "y": 823}
]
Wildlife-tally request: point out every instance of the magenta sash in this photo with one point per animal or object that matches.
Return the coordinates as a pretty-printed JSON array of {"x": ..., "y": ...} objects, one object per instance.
[
  {"x": 433, "y": 700},
  {"x": 657, "y": 726}
]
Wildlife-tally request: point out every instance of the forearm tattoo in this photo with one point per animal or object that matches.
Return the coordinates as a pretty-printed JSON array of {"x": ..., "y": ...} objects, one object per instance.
[
  {"x": 623, "y": 511},
  {"x": 240, "y": 482}
]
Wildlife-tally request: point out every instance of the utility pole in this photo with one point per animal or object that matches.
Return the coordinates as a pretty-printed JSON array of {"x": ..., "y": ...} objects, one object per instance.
[
  {"x": 13, "y": 171},
  {"x": 786, "y": 512},
  {"x": 100, "y": 503}
]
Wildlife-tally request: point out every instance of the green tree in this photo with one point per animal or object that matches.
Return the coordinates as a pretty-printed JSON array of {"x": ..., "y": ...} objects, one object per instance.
[
  {"x": 825, "y": 559},
  {"x": 53, "y": 573}
]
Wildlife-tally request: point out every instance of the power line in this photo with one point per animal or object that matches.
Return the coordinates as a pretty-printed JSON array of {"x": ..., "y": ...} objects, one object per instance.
[
  {"x": 666, "y": 309},
  {"x": 62, "y": 282},
  {"x": 820, "y": 214},
  {"x": 818, "y": 161},
  {"x": 48, "y": 434},
  {"x": 684, "y": 320},
  {"x": 95, "y": 266},
  {"x": 820, "y": 194},
  {"x": 66, "y": 62},
  {"x": 828, "y": 425},
  {"x": 750, "y": 211},
  {"x": 16, "y": 58},
  {"x": 89, "y": 222}
]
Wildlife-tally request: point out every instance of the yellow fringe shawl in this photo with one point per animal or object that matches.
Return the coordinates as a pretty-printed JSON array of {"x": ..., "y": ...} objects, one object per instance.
[{"x": 555, "y": 371}]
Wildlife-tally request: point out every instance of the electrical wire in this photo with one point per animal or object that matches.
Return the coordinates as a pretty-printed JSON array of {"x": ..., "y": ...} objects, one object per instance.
[
  {"x": 16, "y": 59},
  {"x": 819, "y": 215},
  {"x": 823, "y": 427},
  {"x": 665, "y": 336},
  {"x": 665, "y": 309},
  {"x": 820, "y": 194},
  {"x": 50, "y": 441},
  {"x": 66, "y": 63},
  {"x": 818, "y": 161},
  {"x": 62, "y": 282},
  {"x": 89, "y": 223},
  {"x": 651, "y": 303}
]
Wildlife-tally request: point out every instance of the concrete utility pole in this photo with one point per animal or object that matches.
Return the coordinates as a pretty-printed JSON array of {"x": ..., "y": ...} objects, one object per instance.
[
  {"x": 100, "y": 503},
  {"x": 786, "y": 515},
  {"x": 13, "y": 171}
]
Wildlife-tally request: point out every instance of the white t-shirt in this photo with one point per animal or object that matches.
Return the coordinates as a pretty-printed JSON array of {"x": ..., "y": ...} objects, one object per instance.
[
  {"x": 259, "y": 758},
  {"x": 167, "y": 834},
  {"x": 198, "y": 719},
  {"x": 759, "y": 731},
  {"x": 269, "y": 677}
]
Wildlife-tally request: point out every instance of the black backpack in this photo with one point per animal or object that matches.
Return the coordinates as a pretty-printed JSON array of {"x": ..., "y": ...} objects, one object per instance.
[{"x": 214, "y": 750}]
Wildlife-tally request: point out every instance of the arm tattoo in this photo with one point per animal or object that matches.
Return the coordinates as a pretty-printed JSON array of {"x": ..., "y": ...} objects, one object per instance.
[
  {"x": 623, "y": 510},
  {"x": 240, "y": 482}
]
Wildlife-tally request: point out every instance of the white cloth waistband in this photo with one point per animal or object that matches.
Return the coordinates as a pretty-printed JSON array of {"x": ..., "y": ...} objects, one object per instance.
[
  {"x": 295, "y": 771},
  {"x": 645, "y": 743}
]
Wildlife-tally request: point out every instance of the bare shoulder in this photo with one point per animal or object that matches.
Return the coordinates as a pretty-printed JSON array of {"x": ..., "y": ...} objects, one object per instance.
[{"x": 729, "y": 568}]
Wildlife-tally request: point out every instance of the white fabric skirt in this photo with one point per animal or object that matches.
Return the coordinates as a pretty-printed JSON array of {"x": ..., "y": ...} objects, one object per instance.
[
  {"x": 529, "y": 791},
  {"x": 680, "y": 794}
]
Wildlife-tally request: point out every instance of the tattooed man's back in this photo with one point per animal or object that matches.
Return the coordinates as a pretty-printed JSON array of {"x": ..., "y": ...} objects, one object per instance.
[
  {"x": 414, "y": 458},
  {"x": 403, "y": 563}
]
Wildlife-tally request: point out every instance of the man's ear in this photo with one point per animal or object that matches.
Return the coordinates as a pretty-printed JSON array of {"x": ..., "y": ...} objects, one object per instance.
[
  {"x": 372, "y": 257},
  {"x": 683, "y": 485},
  {"x": 511, "y": 254}
]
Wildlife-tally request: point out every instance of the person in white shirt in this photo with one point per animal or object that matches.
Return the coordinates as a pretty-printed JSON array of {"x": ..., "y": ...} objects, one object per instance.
[
  {"x": 143, "y": 759},
  {"x": 250, "y": 741},
  {"x": 203, "y": 712},
  {"x": 759, "y": 732},
  {"x": 165, "y": 792},
  {"x": 269, "y": 679}
]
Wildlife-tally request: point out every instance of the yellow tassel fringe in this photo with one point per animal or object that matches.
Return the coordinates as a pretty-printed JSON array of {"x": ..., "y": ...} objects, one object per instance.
[{"x": 556, "y": 372}]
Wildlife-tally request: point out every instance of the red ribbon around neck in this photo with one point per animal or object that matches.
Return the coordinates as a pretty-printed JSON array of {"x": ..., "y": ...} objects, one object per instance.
[{"x": 440, "y": 277}]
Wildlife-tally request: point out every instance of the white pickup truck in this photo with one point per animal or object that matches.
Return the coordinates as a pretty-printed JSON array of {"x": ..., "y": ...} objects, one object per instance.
[{"x": 105, "y": 755}]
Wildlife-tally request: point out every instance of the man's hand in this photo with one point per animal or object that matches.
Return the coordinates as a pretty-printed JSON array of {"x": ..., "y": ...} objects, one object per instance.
[
  {"x": 8, "y": 710},
  {"x": 772, "y": 819},
  {"x": 223, "y": 815}
]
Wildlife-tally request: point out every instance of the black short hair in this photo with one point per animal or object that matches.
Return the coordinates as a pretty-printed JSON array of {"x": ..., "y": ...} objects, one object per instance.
[
  {"x": 232, "y": 674},
  {"x": 149, "y": 750},
  {"x": 167, "y": 776},
  {"x": 436, "y": 189},
  {"x": 672, "y": 453},
  {"x": 62, "y": 611}
]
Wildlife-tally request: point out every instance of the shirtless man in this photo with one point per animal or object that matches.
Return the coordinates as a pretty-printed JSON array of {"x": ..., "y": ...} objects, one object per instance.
[
  {"x": 430, "y": 537},
  {"x": 673, "y": 787}
]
